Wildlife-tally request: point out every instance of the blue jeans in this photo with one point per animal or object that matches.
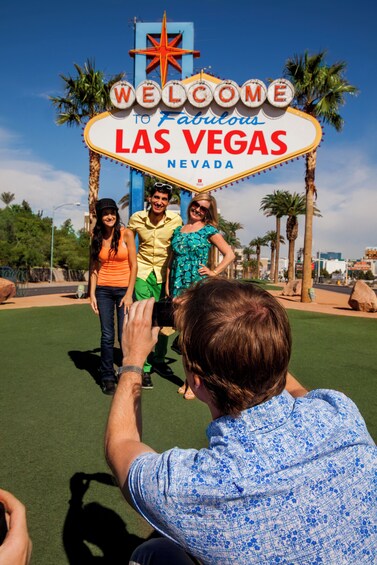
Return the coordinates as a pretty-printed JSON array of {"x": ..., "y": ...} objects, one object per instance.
[{"x": 108, "y": 300}]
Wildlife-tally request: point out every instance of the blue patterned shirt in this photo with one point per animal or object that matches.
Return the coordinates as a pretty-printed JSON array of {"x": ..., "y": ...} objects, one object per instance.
[{"x": 291, "y": 481}]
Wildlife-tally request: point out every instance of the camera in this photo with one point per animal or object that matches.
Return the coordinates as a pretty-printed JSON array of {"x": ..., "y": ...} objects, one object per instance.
[
  {"x": 3, "y": 523},
  {"x": 163, "y": 313}
]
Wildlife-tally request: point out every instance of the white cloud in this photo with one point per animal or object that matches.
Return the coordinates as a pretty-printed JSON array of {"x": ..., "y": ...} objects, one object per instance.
[
  {"x": 42, "y": 186},
  {"x": 347, "y": 199}
]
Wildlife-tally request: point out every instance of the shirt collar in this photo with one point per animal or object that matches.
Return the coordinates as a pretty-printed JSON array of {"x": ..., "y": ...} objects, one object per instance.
[
  {"x": 166, "y": 218},
  {"x": 262, "y": 418}
]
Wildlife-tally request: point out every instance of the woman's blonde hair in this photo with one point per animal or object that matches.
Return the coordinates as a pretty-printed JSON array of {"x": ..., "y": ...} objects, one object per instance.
[
  {"x": 211, "y": 218},
  {"x": 212, "y": 215}
]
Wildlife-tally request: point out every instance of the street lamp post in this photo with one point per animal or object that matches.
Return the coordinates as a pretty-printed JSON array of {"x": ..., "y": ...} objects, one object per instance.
[{"x": 52, "y": 232}]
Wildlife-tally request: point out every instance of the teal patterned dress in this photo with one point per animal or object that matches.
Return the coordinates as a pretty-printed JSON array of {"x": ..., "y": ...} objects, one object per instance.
[{"x": 190, "y": 250}]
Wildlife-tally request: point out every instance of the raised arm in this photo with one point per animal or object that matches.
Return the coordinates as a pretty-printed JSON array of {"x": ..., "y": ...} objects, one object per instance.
[{"x": 123, "y": 434}]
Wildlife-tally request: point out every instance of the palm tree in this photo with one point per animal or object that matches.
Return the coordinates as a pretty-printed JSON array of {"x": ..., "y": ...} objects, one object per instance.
[
  {"x": 250, "y": 268},
  {"x": 295, "y": 205},
  {"x": 271, "y": 205},
  {"x": 258, "y": 243},
  {"x": 7, "y": 197},
  {"x": 320, "y": 90},
  {"x": 271, "y": 237},
  {"x": 247, "y": 264},
  {"x": 85, "y": 96},
  {"x": 228, "y": 230}
]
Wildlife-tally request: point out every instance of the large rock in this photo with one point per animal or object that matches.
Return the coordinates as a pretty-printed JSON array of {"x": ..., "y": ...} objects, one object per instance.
[
  {"x": 292, "y": 288},
  {"x": 363, "y": 298},
  {"x": 7, "y": 290}
]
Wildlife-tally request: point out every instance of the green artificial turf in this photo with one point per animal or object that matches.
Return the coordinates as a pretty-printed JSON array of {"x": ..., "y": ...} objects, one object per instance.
[
  {"x": 337, "y": 352},
  {"x": 53, "y": 416}
]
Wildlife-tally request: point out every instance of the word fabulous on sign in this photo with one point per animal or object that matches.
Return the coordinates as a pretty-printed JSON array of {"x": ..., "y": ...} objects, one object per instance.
[{"x": 202, "y": 134}]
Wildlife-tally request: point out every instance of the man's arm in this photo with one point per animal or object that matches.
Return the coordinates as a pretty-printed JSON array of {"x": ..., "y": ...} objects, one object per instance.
[{"x": 123, "y": 434}]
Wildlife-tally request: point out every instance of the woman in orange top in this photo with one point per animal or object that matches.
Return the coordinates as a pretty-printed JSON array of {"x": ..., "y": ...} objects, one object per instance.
[{"x": 112, "y": 279}]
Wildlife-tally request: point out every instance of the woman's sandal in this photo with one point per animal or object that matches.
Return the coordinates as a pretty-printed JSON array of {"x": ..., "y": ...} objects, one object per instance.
[
  {"x": 182, "y": 389},
  {"x": 189, "y": 395}
]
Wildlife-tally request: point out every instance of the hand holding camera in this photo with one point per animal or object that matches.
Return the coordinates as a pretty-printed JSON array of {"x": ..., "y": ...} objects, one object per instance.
[
  {"x": 15, "y": 548},
  {"x": 139, "y": 337}
]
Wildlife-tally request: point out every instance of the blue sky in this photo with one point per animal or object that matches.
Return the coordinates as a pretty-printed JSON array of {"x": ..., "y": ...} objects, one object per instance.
[{"x": 48, "y": 165}]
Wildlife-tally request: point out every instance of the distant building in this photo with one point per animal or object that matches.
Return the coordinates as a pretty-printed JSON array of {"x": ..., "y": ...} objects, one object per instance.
[
  {"x": 333, "y": 265},
  {"x": 330, "y": 255},
  {"x": 371, "y": 253}
]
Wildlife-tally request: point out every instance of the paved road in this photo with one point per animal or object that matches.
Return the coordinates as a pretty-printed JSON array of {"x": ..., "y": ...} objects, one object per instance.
[
  {"x": 334, "y": 288},
  {"x": 41, "y": 289},
  {"x": 69, "y": 288}
]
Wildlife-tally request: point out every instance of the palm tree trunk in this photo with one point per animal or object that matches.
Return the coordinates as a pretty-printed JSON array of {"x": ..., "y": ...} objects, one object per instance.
[
  {"x": 272, "y": 260},
  {"x": 291, "y": 260},
  {"x": 292, "y": 233},
  {"x": 258, "y": 264},
  {"x": 311, "y": 160},
  {"x": 94, "y": 174},
  {"x": 277, "y": 251}
]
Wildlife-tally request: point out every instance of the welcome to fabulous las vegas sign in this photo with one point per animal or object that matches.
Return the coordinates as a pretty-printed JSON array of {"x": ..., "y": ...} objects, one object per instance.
[{"x": 202, "y": 133}]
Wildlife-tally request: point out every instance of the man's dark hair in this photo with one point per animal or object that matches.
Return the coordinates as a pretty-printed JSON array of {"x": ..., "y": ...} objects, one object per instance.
[
  {"x": 161, "y": 187},
  {"x": 237, "y": 338}
]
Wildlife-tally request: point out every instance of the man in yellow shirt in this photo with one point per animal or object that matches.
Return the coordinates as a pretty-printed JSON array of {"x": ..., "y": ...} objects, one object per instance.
[{"x": 155, "y": 229}]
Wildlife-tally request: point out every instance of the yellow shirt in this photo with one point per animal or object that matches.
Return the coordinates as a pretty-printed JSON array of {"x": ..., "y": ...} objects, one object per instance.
[{"x": 154, "y": 242}]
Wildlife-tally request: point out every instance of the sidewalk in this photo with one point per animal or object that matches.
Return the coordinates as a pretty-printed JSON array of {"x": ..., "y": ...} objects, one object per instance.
[
  {"x": 326, "y": 302},
  {"x": 60, "y": 299}
]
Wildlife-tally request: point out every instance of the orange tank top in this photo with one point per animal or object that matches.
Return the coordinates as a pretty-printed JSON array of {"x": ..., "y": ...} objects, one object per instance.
[{"x": 114, "y": 269}]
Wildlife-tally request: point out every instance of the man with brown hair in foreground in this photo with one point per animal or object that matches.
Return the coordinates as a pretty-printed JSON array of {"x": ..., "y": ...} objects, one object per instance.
[{"x": 288, "y": 476}]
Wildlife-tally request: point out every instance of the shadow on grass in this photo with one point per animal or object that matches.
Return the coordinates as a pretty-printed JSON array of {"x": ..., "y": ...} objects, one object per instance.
[
  {"x": 93, "y": 533},
  {"x": 172, "y": 378},
  {"x": 90, "y": 361},
  {"x": 87, "y": 361}
]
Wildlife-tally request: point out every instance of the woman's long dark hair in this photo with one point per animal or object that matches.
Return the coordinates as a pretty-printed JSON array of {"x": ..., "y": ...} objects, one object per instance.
[{"x": 97, "y": 238}]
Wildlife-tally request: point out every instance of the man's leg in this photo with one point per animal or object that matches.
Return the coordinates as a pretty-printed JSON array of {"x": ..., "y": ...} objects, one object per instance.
[
  {"x": 143, "y": 291},
  {"x": 147, "y": 289},
  {"x": 157, "y": 290},
  {"x": 160, "y": 551}
]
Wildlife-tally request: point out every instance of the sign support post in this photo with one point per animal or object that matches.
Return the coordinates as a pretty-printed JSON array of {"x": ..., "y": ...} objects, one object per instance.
[{"x": 142, "y": 30}]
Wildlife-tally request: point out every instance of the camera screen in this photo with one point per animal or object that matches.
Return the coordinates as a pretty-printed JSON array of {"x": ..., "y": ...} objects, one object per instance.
[{"x": 3, "y": 523}]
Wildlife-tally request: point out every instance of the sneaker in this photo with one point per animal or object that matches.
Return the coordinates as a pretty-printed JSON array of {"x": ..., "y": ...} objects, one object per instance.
[
  {"x": 108, "y": 387},
  {"x": 162, "y": 369},
  {"x": 146, "y": 383}
]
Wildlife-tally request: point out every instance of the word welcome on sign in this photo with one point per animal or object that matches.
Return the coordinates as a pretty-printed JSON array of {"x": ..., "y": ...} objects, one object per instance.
[
  {"x": 177, "y": 135},
  {"x": 201, "y": 93}
]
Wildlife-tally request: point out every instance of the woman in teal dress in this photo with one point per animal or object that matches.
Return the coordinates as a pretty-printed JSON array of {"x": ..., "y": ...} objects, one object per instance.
[{"x": 192, "y": 247}]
